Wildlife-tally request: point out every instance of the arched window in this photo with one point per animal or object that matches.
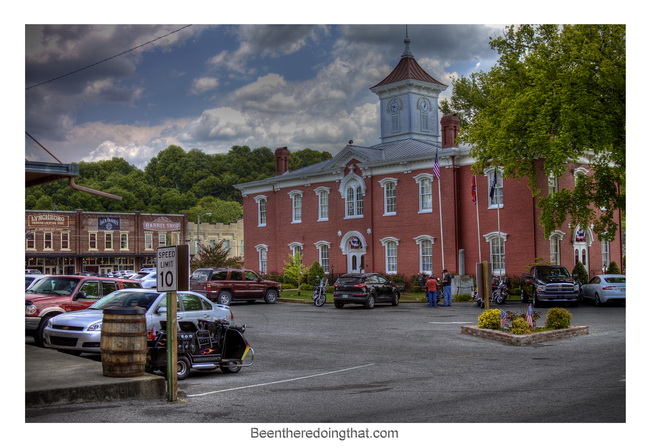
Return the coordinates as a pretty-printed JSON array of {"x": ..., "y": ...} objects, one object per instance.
[
  {"x": 323, "y": 194},
  {"x": 353, "y": 190},
  {"x": 390, "y": 195},
  {"x": 495, "y": 188},
  {"x": 425, "y": 245},
  {"x": 296, "y": 206},
  {"x": 555, "y": 240},
  {"x": 390, "y": 245},
  {"x": 425, "y": 197},
  {"x": 261, "y": 210},
  {"x": 262, "y": 257},
  {"x": 324, "y": 255},
  {"x": 497, "y": 243}
]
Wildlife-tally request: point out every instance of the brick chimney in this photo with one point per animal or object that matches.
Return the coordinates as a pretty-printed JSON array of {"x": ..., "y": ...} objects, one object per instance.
[
  {"x": 281, "y": 160},
  {"x": 449, "y": 125}
]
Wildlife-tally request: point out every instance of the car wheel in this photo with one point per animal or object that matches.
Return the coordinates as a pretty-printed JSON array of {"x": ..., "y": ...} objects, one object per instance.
[
  {"x": 338, "y": 304},
  {"x": 183, "y": 367},
  {"x": 271, "y": 296},
  {"x": 395, "y": 299},
  {"x": 224, "y": 298},
  {"x": 597, "y": 301},
  {"x": 230, "y": 368},
  {"x": 370, "y": 303},
  {"x": 39, "y": 338}
]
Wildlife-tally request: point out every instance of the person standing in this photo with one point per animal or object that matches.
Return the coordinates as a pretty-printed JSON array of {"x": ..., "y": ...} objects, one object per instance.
[
  {"x": 432, "y": 291},
  {"x": 446, "y": 287}
]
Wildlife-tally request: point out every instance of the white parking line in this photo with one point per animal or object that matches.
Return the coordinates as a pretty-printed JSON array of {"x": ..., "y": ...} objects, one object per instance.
[
  {"x": 281, "y": 381},
  {"x": 450, "y": 323}
]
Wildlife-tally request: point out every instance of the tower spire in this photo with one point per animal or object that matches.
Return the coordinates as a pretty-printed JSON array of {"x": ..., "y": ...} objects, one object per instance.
[{"x": 407, "y": 40}]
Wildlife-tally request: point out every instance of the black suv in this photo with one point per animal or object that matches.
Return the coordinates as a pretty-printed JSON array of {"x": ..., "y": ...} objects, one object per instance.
[{"x": 365, "y": 289}]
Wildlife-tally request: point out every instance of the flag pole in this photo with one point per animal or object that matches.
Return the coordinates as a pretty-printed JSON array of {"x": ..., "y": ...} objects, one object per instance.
[
  {"x": 478, "y": 219},
  {"x": 442, "y": 238},
  {"x": 436, "y": 172}
]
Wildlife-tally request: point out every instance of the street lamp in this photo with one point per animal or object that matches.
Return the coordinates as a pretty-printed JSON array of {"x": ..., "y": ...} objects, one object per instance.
[{"x": 198, "y": 229}]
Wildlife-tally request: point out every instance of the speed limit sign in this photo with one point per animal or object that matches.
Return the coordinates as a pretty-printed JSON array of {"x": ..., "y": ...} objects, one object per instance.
[
  {"x": 172, "y": 268},
  {"x": 167, "y": 269}
]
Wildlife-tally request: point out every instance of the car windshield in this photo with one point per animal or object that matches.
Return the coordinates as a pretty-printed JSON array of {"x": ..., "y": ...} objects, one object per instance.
[
  {"x": 143, "y": 299},
  {"x": 615, "y": 279},
  {"x": 60, "y": 286},
  {"x": 553, "y": 272},
  {"x": 349, "y": 280}
]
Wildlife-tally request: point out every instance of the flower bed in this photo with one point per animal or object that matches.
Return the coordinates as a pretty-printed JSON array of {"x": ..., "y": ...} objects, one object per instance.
[{"x": 524, "y": 339}]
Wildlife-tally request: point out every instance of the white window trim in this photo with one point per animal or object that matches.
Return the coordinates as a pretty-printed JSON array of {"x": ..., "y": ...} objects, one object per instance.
[
  {"x": 262, "y": 251},
  {"x": 148, "y": 245},
  {"x": 418, "y": 179},
  {"x": 51, "y": 248},
  {"x": 293, "y": 247},
  {"x": 489, "y": 237},
  {"x": 93, "y": 249},
  {"x": 319, "y": 246},
  {"x": 296, "y": 206},
  {"x": 108, "y": 236},
  {"x": 385, "y": 242},
  {"x": 384, "y": 183},
  {"x": 489, "y": 173},
  {"x": 320, "y": 191},
  {"x": 420, "y": 240},
  {"x": 556, "y": 235},
  {"x": 258, "y": 200},
  {"x": 65, "y": 249}
]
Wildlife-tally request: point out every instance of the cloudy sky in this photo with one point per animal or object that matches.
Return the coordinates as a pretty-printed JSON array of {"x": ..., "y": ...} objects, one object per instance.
[{"x": 99, "y": 91}]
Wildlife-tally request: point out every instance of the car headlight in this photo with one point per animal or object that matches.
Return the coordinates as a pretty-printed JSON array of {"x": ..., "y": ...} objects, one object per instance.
[
  {"x": 541, "y": 287},
  {"x": 30, "y": 309},
  {"x": 576, "y": 287},
  {"x": 97, "y": 326},
  {"x": 49, "y": 324}
]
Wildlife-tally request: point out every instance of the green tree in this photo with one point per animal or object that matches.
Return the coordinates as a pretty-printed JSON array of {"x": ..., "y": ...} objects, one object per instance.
[
  {"x": 556, "y": 95},
  {"x": 214, "y": 256},
  {"x": 222, "y": 211},
  {"x": 294, "y": 270}
]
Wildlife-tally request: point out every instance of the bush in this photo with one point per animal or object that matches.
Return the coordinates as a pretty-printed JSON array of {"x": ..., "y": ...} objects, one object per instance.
[
  {"x": 557, "y": 318},
  {"x": 463, "y": 298},
  {"x": 580, "y": 270},
  {"x": 490, "y": 319},
  {"x": 314, "y": 272},
  {"x": 613, "y": 268},
  {"x": 520, "y": 326}
]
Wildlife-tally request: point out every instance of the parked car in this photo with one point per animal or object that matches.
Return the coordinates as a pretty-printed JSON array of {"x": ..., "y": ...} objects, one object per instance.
[
  {"x": 365, "y": 289},
  {"x": 549, "y": 284},
  {"x": 57, "y": 294},
  {"x": 32, "y": 271},
  {"x": 223, "y": 285},
  {"x": 80, "y": 331},
  {"x": 146, "y": 278},
  {"x": 30, "y": 279},
  {"x": 606, "y": 288}
]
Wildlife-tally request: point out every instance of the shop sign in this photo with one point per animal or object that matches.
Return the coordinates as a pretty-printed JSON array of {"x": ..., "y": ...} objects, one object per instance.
[
  {"x": 108, "y": 223},
  {"x": 48, "y": 219},
  {"x": 162, "y": 224}
]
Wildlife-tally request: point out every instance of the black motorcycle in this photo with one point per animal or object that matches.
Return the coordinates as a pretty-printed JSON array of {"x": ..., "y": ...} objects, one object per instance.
[{"x": 319, "y": 296}]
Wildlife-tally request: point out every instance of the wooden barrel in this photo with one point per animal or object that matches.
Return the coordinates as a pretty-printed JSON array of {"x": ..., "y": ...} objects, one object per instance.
[{"x": 123, "y": 341}]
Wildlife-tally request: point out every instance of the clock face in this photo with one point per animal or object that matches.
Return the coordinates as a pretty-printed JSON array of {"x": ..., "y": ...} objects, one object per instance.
[
  {"x": 394, "y": 107},
  {"x": 425, "y": 105}
]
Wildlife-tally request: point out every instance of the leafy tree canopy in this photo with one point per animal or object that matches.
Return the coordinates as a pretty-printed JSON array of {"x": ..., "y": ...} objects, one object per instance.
[
  {"x": 174, "y": 181},
  {"x": 556, "y": 95}
]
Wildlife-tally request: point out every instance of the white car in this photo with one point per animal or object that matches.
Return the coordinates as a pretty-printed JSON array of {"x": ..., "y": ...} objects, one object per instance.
[
  {"x": 146, "y": 278},
  {"x": 606, "y": 288},
  {"x": 80, "y": 331}
]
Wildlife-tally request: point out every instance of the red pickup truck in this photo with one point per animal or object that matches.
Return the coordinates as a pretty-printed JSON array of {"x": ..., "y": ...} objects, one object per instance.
[
  {"x": 223, "y": 285},
  {"x": 57, "y": 294}
]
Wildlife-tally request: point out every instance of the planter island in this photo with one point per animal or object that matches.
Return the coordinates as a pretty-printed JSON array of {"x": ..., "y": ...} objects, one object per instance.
[{"x": 524, "y": 339}]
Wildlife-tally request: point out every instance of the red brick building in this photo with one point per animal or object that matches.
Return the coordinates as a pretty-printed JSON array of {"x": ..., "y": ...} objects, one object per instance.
[
  {"x": 67, "y": 242},
  {"x": 384, "y": 209}
]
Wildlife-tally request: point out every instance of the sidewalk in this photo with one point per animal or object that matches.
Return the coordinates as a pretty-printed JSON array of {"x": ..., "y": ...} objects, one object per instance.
[{"x": 52, "y": 377}]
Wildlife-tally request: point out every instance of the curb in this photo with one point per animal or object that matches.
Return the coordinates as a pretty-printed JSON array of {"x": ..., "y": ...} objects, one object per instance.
[{"x": 523, "y": 339}]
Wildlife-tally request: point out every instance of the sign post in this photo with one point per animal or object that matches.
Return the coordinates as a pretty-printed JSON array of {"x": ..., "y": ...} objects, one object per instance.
[{"x": 168, "y": 259}]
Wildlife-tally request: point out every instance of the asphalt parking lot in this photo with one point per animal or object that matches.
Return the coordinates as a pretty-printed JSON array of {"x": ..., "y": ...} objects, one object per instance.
[{"x": 404, "y": 364}]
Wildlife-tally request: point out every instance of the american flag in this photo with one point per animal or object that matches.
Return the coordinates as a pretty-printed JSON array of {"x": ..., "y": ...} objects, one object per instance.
[
  {"x": 436, "y": 166},
  {"x": 504, "y": 319},
  {"x": 529, "y": 316}
]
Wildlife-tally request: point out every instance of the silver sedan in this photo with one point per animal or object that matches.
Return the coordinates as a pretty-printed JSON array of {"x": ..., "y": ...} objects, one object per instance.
[
  {"x": 606, "y": 288},
  {"x": 80, "y": 331}
]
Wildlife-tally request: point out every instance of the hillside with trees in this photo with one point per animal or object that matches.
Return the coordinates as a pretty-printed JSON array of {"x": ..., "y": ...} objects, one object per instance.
[{"x": 174, "y": 181}]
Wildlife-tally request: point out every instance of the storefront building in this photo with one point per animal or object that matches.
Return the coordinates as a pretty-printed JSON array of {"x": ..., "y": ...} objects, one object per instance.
[{"x": 68, "y": 242}]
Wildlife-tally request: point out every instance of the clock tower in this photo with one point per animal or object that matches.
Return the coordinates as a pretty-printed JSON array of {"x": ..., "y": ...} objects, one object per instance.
[{"x": 408, "y": 100}]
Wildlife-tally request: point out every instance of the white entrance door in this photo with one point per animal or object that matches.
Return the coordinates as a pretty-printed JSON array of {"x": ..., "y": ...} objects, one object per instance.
[{"x": 355, "y": 261}]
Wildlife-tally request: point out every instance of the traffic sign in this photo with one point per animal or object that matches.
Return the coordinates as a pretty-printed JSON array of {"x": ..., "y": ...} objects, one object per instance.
[{"x": 167, "y": 269}]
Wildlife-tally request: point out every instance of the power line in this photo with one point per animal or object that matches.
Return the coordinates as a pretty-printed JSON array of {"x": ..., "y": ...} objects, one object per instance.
[{"x": 108, "y": 59}]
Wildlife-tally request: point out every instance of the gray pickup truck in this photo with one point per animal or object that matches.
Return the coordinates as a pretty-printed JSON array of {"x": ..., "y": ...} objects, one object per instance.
[{"x": 549, "y": 284}]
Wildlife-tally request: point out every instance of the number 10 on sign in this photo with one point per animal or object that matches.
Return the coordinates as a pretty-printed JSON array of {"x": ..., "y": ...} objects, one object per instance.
[{"x": 167, "y": 269}]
